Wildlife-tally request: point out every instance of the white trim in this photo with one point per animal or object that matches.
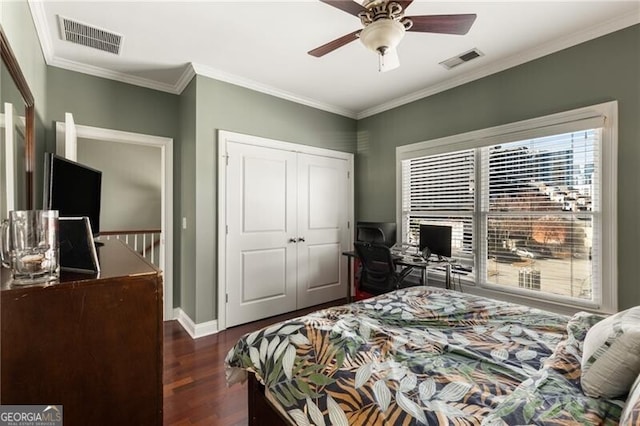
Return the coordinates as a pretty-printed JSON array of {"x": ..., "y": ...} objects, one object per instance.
[
  {"x": 70, "y": 143},
  {"x": 609, "y": 207},
  {"x": 185, "y": 78},
  {"x": 498, "y": 134},
  {"x": 602, "y": 115},
  {"x": 195, "y": 330},
  {"x": 556, "y": 45},
  {"x": 226, "y": 136},
  {"x": 352, "y": 222},
  {"x": 9, "y": 158},
  {"x": 42, "y": 28},
  {"x": 547, "y": 125},
  {"x": 44, "y": 34},
  {"x": 166, "y": 171},
  {"x": 222, "y": 236},
  {"x": 270, "y": 90},
  {"x": 112, "y": 75}
]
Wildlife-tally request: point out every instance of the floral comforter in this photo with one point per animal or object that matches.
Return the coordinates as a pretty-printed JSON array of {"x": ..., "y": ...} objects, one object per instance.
[{"x": 423, "y": 356}]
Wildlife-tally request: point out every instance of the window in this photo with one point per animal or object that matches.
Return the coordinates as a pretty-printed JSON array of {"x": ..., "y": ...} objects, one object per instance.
[
  {"x": 439, "y": 190},
  {"x": 531, "y": 204}
]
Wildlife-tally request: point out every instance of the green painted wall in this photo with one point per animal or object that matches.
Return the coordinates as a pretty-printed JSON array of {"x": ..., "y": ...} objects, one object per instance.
[
  {"x": 131, "y": 184},
  {"x": 228, "y": 107},
  {"x": 110, "y": 104},
  {"x": 184, "y": 259},
  {"x": 20, "y": 30},
  {"x": 18, "y": 26},
  {"x": 600, "y": 70}
]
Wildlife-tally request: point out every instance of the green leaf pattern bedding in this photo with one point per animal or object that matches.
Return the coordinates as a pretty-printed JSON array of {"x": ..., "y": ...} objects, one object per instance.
[{"x": 415, "y": 356}]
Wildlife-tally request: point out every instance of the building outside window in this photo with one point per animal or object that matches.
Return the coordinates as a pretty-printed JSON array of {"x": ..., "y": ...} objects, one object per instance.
[{"x": 531, "y": 205}]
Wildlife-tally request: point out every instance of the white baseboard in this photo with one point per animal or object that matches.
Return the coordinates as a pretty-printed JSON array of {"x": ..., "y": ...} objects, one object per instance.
[{"x": 195, "y": 330}]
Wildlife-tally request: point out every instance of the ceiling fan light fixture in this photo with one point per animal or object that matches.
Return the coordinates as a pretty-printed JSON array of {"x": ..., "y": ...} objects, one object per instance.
[
  {"x": 382, "y": 35},
  {"x": 388, "y": 61}
]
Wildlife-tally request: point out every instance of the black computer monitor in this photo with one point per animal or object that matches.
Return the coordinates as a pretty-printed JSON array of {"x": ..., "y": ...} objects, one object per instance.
[
  {"x": 376, "y": 232},
  {"x": 437, "y": 238},
  {"x": 73, "y": 189}
]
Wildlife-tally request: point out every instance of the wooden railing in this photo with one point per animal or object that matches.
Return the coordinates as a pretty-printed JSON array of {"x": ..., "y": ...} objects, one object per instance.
[{"x": 145, "y": 242}]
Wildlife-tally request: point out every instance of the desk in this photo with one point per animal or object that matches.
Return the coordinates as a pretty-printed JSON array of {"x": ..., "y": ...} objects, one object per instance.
[{"x": 402, "y": 261}]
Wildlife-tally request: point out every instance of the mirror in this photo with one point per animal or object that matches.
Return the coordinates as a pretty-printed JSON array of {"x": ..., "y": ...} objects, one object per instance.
[{"x": 18, "y": 114}]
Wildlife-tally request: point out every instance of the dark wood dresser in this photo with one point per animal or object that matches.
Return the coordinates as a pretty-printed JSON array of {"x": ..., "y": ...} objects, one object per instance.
[{"x": 92, "y": 343}]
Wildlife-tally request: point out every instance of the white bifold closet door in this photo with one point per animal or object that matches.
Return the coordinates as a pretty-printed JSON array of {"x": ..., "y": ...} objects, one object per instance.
[
  {"x": 322, "y": 227},
  {"x": 287, "y": 226}
]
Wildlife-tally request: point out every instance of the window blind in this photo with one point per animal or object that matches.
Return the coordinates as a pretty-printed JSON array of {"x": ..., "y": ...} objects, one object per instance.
[
  {"x": 553, "y": 173},
  {"x": 440, "y": 183},
  {"x": 440, "y": 190},
  {"x": 541, "y": 205},
  {"x": 538, "y": 203}
]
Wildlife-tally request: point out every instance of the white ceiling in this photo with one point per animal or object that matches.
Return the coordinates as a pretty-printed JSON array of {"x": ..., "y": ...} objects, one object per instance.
[{"x": 263, "y": 45}]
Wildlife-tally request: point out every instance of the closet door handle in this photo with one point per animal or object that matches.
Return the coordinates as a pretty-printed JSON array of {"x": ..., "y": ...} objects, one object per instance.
[
  {"x": 292, "y": 240},
  {"x": 301, "y": 239}
]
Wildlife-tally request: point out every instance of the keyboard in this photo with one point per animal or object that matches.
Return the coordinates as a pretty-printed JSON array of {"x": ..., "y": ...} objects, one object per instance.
[{"x": 460, "y": 268}]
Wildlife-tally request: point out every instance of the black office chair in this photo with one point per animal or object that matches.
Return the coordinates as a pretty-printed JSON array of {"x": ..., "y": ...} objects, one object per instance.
[
  {"x": 379, "y": 274},
  {"x": 370, "y": 234}
]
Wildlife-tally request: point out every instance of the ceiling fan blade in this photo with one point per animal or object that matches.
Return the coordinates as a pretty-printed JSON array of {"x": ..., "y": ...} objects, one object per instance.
[
  {"x": 349, "y": 6},
  {"x": 333, "y": 45},
  {"x": 389, "y": 61},
  {"x": 444, "y": 24}
]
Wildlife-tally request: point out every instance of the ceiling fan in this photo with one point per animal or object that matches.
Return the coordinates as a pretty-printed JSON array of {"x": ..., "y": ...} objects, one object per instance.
[{"x": 385, "y": 24}]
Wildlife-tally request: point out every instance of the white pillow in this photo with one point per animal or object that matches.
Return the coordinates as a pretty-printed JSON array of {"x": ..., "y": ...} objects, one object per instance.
[
  {"x": 611, "y": 355},
  {"x": 631, "y": 413}
]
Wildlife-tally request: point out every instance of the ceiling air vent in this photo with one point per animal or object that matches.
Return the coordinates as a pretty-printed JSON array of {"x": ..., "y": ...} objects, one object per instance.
[
  {"x": 461, "y": 58},
  {"x": 86, "y": 35}
]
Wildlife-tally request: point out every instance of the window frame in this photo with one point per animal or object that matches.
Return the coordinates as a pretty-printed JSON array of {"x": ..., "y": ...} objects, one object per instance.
[{"x": 604, "y": 116}]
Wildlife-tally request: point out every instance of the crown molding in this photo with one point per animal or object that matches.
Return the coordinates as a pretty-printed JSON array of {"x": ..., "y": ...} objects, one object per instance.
[
  {"x": 42, "y": 28},
  {"x": 184, "y": 80},
  {"x": 113, "y": 75},
  {"x": 269, "y": 90},
  {"x": 44, "y": 34},
  {"x": 606, "y": 27}
]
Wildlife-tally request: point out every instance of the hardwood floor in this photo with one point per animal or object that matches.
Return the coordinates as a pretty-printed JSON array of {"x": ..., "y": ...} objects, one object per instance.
[{"x": 195, "y": 387}]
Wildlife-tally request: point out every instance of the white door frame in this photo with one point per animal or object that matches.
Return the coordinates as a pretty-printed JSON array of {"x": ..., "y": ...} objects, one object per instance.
[
  {"x": 226, "y": 136},
  {"x": 166, "y": 175}
]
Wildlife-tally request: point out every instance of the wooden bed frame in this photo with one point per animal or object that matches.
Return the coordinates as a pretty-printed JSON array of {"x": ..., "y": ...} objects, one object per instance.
[{"x": 261, "y": 410}]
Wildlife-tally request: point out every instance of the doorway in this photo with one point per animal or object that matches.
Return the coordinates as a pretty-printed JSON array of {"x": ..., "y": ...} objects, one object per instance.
[{"x": 67, "y": 135}]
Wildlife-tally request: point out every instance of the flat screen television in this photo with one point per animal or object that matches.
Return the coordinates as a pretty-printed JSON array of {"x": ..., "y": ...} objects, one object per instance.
[
  {"x": 436, "y": 238},
  {"x": 376, "y": 232},
  {"x": 73, "y": 189}
]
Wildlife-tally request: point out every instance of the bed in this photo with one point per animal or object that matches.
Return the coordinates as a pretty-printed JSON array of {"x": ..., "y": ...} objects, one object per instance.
[{"x": 420, "y": 355}]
